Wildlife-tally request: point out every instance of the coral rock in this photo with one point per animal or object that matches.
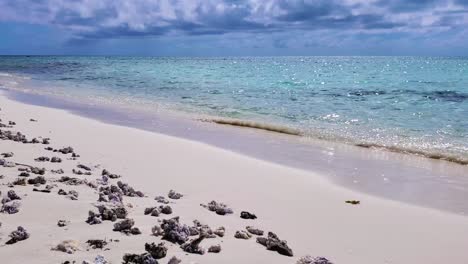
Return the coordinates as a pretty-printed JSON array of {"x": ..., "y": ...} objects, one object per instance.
[
  {"x": 310, "y": 260},
  {"x": 174, "y": 195},
  {"x": 96, "y": 243},
  {"x": 219, "y": 208},
  {"x": 174, "y": 260},
  {"x": 156, "y": 251},
  {"x": 247, "y": 215},
  {"x": 214, "y": 249},
  {"x": 174, "y": 231},
  {"x": 67, "y": 246},
  {"x": 272, "y": 242},
  {"x": 18, "y": 235},
  {"x": 145, "y": 258},
  {"x": 10, "y": 207},
  {"x": 193, "y": 246},
  {"x": 255, "y": 231},
  {"x": 242, "y": 235}
]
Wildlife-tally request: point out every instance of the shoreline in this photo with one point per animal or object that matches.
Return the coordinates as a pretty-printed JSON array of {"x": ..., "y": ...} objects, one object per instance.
[
  {"x": 27, "y": 85},
  {"x": 375, "y": 171},
  {"x": 301, "y": 207}
]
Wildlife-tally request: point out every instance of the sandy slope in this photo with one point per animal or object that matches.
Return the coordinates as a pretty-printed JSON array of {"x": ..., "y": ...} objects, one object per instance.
[{"x": 302, "y": 208}]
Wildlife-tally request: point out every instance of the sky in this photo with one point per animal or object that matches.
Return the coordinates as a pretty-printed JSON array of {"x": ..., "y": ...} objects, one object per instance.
[{"x": 234, "y": 27}]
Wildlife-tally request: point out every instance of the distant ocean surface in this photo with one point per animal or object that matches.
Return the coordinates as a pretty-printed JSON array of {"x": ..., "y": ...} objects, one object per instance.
[{"x": 417, "y": 105}]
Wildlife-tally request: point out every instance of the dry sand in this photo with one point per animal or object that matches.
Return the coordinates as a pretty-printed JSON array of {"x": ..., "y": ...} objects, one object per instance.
[{"x": 300, "y": 207}]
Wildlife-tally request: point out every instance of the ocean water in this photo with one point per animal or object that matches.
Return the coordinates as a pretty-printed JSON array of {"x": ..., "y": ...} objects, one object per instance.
[{"x": 417, "y": 105}]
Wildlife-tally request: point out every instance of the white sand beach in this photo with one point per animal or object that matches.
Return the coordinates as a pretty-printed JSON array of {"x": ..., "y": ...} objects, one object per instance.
[{"x": 301, "y": 207}]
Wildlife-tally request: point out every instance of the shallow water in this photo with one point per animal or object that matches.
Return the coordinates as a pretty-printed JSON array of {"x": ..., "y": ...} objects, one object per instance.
[{"x": 409, "y": 104}]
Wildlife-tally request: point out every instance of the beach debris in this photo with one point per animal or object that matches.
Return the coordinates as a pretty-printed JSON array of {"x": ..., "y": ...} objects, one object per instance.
[
  {"x": 72, "y": 194},
  {"x": 247, "y": 215},
  {"x": 128, "y": 190},
  {"x": 93, "y": 218},
  {"x": 41, "y": 190},
  {"x": 7, "y": 164},
  {"x": 353, "y": 202},
  {"x": 254, "y": 231},
  {"x": 32, "y": 120},
  {"x": 46, "y": 141},
  {"x": 24, "y": 174},
  {"x": 10, "y": 207},
  {"x": 7, "y": 154},
  {"x": 79, "y": 172},
  {"x": 193, "y": 246},
  {"x": 311, "y": 260},
  {"x": 36, "y": 170},
  {"x": 84, "y": 167},
  {"x": 144, "y": 258},
  {"x": 70, "y": 180},
  {"x": 37, "y": 180},
  {"x": 220, "y": 231},
  {"x": 218, "y": 208},
  {"x": 109, "y": 175},
  {"x": 66, "y": 150},
  {"x": 174, "y": 195},
  {"x": 19, "y": 234},
  {"x": 67, "y": 246},
  {"x": 201, "y": 229},
  {"x": 153, "y": 211},
  {"x": 96, "y": 243},
  {"x": 98, "y": 260},
  {"x": 242, "y": 235},
  {"x": 12, "y": 195},
  {"x": 62, "y": 223},
  {"x": 174, "y": 260},
  {"x": 157, "y": 231},
  {"x": 56, "y": 160},
  {"x": 126, "y": 226},
  {"x": 165, "y": 209},
  {"x": 13, "y": 136},
  {"x": 156, "y": 251},
  {"x": 214, "y": 249},
  {"x": 272, "y": 242},
  {"x": 113, "y": 192},
  {"x": 173, "y": 231},
  {"x": 59, "y": 171},
  {"x": 112, "y": 213},
  {"x": 161, "y": 199},
  {"x": 42, "y": 159},
  {"x": 19, "y": 181}
]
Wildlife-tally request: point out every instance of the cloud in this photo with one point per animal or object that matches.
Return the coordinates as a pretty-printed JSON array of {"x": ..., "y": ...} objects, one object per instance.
[{"x": 89, "y": 20}]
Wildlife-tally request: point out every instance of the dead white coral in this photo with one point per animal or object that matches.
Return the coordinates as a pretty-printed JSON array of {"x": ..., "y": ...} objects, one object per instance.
[
  {"x": 311, "y": 260},
  {"x": 67, "y": 246},
  {"x": 242, "y": 235},
  {"x": 10, "y": 207}
]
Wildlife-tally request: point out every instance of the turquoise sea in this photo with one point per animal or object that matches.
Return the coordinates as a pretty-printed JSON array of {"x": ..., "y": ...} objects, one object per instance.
[{"x": 410, "y": 104}]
